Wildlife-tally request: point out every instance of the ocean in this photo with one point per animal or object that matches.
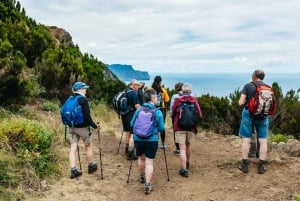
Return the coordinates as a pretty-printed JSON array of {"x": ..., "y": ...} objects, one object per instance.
[{"x": 222, "y": 84}]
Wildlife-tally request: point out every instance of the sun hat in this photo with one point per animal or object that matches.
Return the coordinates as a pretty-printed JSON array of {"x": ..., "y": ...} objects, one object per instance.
[{"x": 79, "y": 85}]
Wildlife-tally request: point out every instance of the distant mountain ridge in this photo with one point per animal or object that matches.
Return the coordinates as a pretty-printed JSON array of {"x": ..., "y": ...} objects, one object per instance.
[{"x": 126, "y": 72}]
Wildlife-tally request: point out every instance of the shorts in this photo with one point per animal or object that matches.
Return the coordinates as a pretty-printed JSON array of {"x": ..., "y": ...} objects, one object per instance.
[
  {"x": 248, "y": 123},
  {"x": 77, "y": 133},
  {"x": 149, "y": 148},
  {"x": 183, "y": 137},
  {"x": 126, "y": 122}
]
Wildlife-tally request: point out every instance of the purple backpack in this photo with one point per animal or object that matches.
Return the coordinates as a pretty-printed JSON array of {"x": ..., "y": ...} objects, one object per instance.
[{"x": 145, "y": 122}]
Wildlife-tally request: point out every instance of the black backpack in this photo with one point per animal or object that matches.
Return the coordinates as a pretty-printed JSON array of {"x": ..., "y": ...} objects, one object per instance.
[
  {"x": 120, "y": 103},
  {"x": 188, "y": 117}
]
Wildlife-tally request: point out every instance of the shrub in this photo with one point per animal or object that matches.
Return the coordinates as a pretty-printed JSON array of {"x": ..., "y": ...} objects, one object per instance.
[
  {"x": 25, "y": 147},
  {"x": 278, "y": 138},
  {"x": 50, "y": 106}
]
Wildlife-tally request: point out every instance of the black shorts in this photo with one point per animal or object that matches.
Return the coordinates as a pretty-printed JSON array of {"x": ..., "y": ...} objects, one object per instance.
[
  {"x": 148, "y": 148},
  {"x": 126, "y": 122}
]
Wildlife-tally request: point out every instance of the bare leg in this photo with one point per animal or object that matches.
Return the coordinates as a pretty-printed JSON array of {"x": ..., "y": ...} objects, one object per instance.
[
  {"x": 72, "y": 155},
  {"x": 149, "y": 169},
  {"x": 141, "y": 163},
  {"x": 89, "y": 153},
  {"x": 183, "y": 155},
  {"x": 188, "y": 151},
  {"x": 263, "y": 149},
  {"x": 245, "y": 147}
]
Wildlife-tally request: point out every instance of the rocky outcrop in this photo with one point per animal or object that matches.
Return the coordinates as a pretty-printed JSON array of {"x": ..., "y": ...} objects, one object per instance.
[
  {"x": 292, "y": 147},
  {"x": 61, "y": 35}
]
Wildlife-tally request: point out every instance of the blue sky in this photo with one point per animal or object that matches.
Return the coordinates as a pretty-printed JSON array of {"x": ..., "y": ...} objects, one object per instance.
[{"x": 181, "y": 36}]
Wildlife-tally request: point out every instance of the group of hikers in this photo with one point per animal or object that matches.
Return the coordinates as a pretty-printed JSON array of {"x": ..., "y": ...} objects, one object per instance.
[{"x": 144, "y": 122}]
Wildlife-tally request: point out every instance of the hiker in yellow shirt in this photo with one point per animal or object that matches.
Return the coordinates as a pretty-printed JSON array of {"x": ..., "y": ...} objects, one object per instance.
[{"x": 162, "y": 99}]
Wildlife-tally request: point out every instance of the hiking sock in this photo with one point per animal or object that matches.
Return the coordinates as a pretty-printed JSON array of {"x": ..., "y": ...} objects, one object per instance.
[
  {"x": 73, "y": 168},
  {"x": 177, "y": 146}
]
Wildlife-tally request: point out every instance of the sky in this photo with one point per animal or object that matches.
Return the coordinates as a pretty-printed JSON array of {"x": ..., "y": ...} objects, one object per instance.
[{"x": 181, "y": 35}]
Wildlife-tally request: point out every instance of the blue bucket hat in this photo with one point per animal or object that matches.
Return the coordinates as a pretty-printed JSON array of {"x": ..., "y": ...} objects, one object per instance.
[{"x": 79, "y": 85}]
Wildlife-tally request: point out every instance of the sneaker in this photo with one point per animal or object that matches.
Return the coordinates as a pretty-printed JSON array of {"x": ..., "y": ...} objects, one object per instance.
[
  {"x": 92, "y": 168},
  {"x": 244, "y": 167},
  {"x": 142, "y": 178},
  {"x": 176, "y": 152},
  {"x": 163, "y": 146},
  {"x": 261, "y": 168},
  {"x": 187, "y": 165},
  {"x": 75, "y": 173},
  {"x": 147, "y": 188},
  {"x": 131, "y": 156},
  {"x": 184, "y": 173}
]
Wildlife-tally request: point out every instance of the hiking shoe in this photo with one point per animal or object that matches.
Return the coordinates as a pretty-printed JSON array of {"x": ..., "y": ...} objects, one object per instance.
[
  {"x": 142, "y": 178},
  {"x": 131, "y": 156},
  {"x": 187, "y": 165},
  {"x": 163, "y": 146},
  {"x": 147, "y": 188},
  {"x": 75, "y": 173},
  {"x": 184, "y": 173},
  {"x": 261, "y": 168},
  {"x": 176, "y": 152},
  {"x": 244, "y": 167},
  {"x": 92, "y": 168}
]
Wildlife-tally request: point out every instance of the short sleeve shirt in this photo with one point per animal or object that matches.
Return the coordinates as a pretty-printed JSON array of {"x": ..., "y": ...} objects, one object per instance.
[{"x": 250, "y": 89}]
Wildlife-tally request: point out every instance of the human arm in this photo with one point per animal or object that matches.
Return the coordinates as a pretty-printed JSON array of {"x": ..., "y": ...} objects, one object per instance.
[
  {"x": 88, "y": 121},
  {"x": 160, "y": 120},
  {"x": 242, "y": 100},
  {"x": 198, "y": 109}
]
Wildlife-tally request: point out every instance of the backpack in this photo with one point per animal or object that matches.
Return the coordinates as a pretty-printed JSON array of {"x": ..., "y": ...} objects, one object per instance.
[
  {"x": 120, "y": 104},
  {"x": 145, "y": 124},
  {"x": 263, "y": 102},
  {"x": 159, "y": 100},
  {"x": 71, "y": 111},
  {"x": 188, "y": 117}
]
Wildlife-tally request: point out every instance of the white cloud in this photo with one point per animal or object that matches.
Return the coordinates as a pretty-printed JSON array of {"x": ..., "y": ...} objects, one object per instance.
[{"x": 176, "y": 35}]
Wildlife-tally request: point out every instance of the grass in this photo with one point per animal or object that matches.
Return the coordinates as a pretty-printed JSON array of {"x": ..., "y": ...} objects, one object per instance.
[
  {"x": 24, "y": 162},
  {"x": 278, "y": 138}
]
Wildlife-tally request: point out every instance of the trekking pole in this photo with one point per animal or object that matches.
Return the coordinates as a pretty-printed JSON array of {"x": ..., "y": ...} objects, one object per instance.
[
  {"x": 166, "y": 164},
  {"x": 78, "y": 157},
  {"x": 120, "y": 142},
  {"x": 100, "y": 155},
  {"x": 65, "y": 140},
  {"x": 130, "y": 167}
]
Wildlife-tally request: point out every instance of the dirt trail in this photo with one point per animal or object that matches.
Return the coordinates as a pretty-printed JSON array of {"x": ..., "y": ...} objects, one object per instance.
[{"x": 213, "y": 175}]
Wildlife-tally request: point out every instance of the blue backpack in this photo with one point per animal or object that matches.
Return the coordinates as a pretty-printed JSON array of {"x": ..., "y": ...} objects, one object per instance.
[
  {"x": 71, "y": 111},
  {"x": 145, "y": 124}
]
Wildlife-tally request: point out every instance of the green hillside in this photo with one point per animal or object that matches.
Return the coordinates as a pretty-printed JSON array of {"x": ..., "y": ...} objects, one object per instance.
[{"x": 33, "y": 63}]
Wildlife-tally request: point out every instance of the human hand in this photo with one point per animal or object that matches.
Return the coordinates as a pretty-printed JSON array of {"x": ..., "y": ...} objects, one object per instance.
[{"x": 98, "y": 125}]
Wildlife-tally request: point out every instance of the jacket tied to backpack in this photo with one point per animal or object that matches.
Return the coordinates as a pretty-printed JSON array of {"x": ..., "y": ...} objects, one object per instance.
[
  {"x": 147, "y": 118},
  {"x": 190, "y": 120}
]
